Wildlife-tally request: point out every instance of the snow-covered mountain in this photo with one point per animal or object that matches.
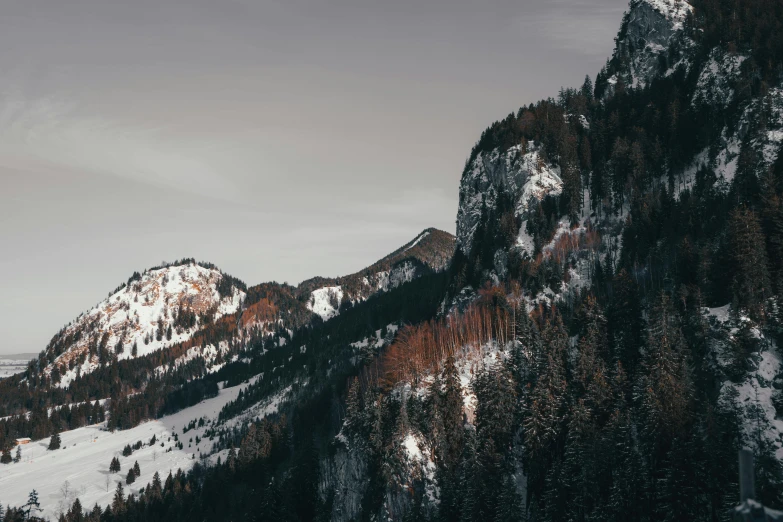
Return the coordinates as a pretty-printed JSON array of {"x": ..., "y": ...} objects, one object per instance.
[
  {"x": 271, "y": 305},
  {"x": 154, "y": 310},
  {"x": 606, "y": 335},
  {"x": 168, "y": 305}
]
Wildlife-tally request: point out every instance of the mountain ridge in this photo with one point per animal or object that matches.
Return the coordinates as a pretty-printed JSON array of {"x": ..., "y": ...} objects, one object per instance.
[
  {"x": 602, "y": 343},
  {"x": 187, "y": 295}
]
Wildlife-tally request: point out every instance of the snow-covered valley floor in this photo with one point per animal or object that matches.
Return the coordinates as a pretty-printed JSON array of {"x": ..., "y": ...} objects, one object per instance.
[
  {"x": 84, "y": 458},
  {"x": 12, "y": 364}
]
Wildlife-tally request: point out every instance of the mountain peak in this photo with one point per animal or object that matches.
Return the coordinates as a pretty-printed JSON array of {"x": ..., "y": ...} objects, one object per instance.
[
  {"x": 155, "y": 309},
  {"x": 649, "y": 31}
]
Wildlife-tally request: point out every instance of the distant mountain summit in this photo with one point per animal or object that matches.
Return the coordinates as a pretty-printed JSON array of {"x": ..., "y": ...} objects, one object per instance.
[
  {"x": 160, "y": 307},
  {"x": 168, "y": 305},
  {"x": 273, "y": 304}
]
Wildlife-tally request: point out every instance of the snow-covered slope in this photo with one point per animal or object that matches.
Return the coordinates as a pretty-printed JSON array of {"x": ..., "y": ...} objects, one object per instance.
[
  {"x": 272, "y": 305},
  {"x": 14, "y": 363},
  {"x": 80, "y": 468},
  {"x": 154, "y": 310},
  {"x": 325, "y": 302},
  {"x": 754, "y": 395}
]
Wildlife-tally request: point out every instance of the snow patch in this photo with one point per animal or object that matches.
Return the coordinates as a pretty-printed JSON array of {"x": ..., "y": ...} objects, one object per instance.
[{"x": 325, "y": 302}]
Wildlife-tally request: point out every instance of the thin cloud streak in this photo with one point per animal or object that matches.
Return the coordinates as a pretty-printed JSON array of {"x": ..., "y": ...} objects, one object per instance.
[{"x": 49, "y": 133}]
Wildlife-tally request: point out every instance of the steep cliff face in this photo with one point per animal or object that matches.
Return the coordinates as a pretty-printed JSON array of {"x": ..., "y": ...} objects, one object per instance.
[
  {"x": 521, "y": 171},
  {"x": 650, "y": 42}
]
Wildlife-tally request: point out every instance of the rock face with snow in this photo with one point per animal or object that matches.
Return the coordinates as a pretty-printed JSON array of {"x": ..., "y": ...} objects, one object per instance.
[
  {"x": 645, "y": 43},
  {"x": 717, "y": 79},
  {"x": 521, "y": 172},
  {"x": 151, "y": 311},
  {"x": 168, "y": 305}
]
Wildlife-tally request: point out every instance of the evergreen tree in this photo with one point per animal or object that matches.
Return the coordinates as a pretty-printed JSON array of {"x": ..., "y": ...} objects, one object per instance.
[
  {"x": 625, "y": 324},
  {"x": 156, "y": 490},
  {"x": 118, "y": 502},
  {"x": 547, "y": 398},
  {"x": 32, "y": 505},
  {"x": 76, "y": 512},
  {"x": 54, "y": 441},
  {"x": 231, "y": 460},
  {"x": 452, "y": 414},
  {"x": 750, "y": 283},
  {"x": 666, "y": 384},
  {"x": 353, "y": 405},
  {"x": 772, "y": 224}
]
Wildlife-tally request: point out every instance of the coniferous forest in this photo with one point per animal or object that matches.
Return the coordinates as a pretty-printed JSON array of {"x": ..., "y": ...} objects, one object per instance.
[{"x": 601, "y": 354}]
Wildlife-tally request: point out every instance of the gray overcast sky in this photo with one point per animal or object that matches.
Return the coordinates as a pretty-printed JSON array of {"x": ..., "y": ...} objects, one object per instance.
[{"x": 278, "y": 139}]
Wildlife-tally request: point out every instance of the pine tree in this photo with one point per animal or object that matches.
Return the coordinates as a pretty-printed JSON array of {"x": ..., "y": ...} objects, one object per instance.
[
  {"x": 114, "y": 466},
  {"x": 248, "y": 449},
  {"x": 769, "y": 474},
  {"x": 118, "y": 502},
  {"x": 587, "y": 88},
  {"x": 750, "y": 284},
  {"x": 666, "y": 383},
  {"x": 772, "y": 223},
  {"x": 75, "y": 513},
  {"x": 130, "y": 477},
  {"x": 32, "y": 506},
  {"x": 590, "y": 374},
  {"x": 625, "y": 321},
  {"x": 353, "y": 405},
  {"x": 469, "y": 485},
  {"x": 547, "y": 398},
  {"x": 572, "y": 177},
  {"x": 54, "y": 441},
  {"x": 452, "y": 414},
  {"x": 168, "y": 485},
  {"x": 746, "y": 180},
  {"x": 156, "y": 489},
  {"x": 136, "y": 469},
  {"x": 628, "y": 493},
  {"x": 231, "y": 460}
]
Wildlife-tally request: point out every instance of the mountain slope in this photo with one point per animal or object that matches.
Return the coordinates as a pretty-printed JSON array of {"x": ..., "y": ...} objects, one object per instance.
[
  {"x": 603, "y": 342},
  {"x": 159, "y": 308},
  {"x": 178, "y": 313},
  {"x": 269, "y": 303}
]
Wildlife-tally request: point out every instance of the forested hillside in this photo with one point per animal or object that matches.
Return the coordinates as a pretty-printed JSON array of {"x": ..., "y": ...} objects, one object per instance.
[{"x": 599, "y": 346}]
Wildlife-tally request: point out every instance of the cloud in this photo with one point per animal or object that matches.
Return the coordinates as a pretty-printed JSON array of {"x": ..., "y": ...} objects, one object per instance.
[{"x": 52, "y": 133}]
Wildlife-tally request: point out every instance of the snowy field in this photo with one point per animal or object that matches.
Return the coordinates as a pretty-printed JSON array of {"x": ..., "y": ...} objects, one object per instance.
[
  {"x": 80, "y": 469},
  {"x": 14, "y": 363}
]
